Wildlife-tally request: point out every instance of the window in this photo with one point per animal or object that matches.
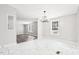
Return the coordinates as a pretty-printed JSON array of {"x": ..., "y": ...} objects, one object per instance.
[
  {"x": 10, "y": 22},
  {"x": 54, "y": 25}
]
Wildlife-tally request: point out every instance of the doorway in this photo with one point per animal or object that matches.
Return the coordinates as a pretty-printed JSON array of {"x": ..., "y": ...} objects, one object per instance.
[{"x": 27, "y": 31}]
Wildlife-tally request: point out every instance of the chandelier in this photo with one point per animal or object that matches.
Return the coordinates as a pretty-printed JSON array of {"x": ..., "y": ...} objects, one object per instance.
[{"x": 44, "y": 18}]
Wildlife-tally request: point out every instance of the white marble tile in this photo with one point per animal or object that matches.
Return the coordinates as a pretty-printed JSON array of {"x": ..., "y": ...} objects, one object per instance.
[{"x": 41, "y": 47}]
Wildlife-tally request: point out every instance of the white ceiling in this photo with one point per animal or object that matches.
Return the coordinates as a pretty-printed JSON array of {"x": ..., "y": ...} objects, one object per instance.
[{"x": 53, "y": 10}]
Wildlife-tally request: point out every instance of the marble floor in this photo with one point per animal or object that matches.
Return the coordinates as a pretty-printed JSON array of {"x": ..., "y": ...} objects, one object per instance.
[{"x": 41, "y": 47}]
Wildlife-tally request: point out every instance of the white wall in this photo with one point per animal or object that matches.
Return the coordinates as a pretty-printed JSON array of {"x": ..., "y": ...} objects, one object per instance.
[
  {"x": 19, "y": 28},
  {"x": 67, "y": 28},
  {"x": 6, "y": 36},
  {"x": 77, "y": 25}
]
